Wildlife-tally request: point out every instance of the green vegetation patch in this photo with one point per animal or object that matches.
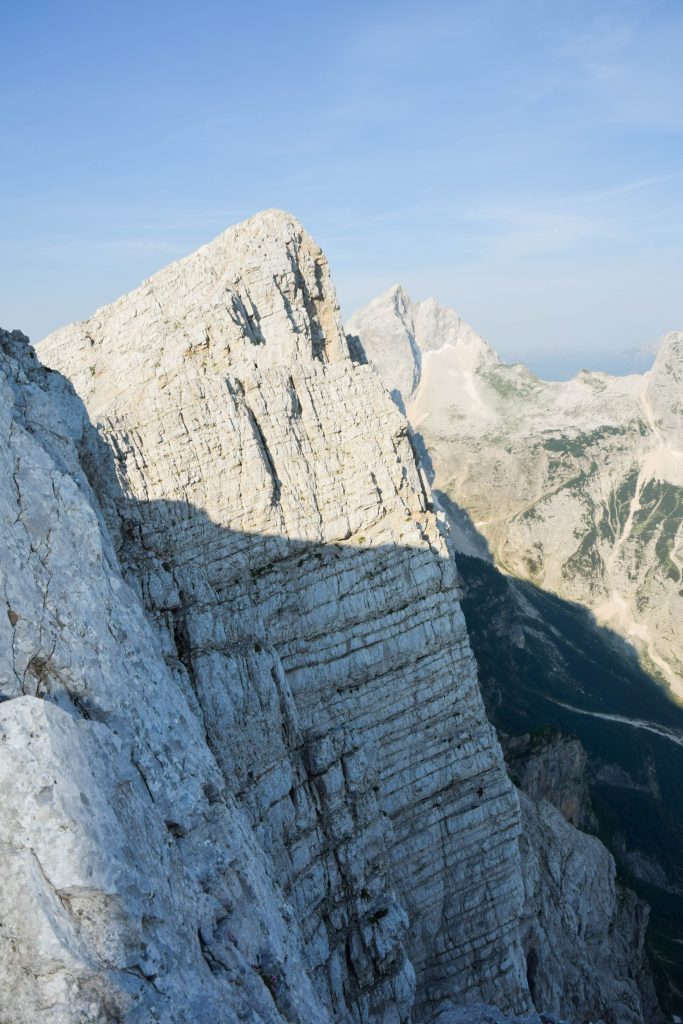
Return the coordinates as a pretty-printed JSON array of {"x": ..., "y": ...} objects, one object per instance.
[
  {"x": 579, "y": 445},
  {"x": 616, "y": 510},
  {"x": 508, "y": 384},
  {"x": 659, "y": 518}
]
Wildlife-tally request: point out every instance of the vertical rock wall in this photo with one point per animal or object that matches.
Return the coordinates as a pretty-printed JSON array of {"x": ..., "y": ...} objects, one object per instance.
[{"x": 264, "y": 501}]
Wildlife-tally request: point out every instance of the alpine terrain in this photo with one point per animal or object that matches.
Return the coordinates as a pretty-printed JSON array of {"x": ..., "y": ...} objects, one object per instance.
[
  {"x": 566, "y": 506},
  {"x": 246, "y": 767},
  {"x": 576, "y": 486}
]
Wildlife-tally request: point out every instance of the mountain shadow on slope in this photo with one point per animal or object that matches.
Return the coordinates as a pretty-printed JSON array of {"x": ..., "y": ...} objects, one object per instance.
[
  {"x": 163, "y": 544},
  {"x": 556, "y": 669},
  {"x": 545, "y": 665},
  {"x": 236, "y": 609}
]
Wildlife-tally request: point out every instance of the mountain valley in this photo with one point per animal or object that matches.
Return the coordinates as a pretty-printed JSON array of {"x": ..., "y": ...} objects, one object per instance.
[{"x": 576, "y": 486}]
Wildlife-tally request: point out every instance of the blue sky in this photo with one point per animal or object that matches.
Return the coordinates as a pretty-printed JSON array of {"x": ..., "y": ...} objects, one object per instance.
[{"x": 520, "y": 160}]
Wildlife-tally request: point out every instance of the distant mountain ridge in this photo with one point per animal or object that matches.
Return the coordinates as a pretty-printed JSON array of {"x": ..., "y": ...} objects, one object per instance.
[{"x": 575, "y": 485}]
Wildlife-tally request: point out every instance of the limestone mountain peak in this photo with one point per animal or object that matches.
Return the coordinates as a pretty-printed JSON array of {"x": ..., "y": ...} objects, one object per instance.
[
  {"x": 258, "y": 295},
  {"x": 400, "y": 336},
  {"x": 664, "y": 392},
  {"x": 568, "y": 444}
]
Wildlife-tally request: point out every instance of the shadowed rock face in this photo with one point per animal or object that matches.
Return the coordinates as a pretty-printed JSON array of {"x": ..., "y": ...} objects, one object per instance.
[
  {"x": 564, "y": 868},
  {"x": 554, "y": 768},
  {"x": 247, "y": 766},
  {"x": 545, "y": 670}
]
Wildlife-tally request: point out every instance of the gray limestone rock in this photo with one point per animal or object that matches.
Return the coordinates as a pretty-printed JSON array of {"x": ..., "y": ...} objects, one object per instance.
[
  {"x": 301, "y": 810},
  {"x": 552, "y": 767},
  {"x": 134, "y": 888},
  {"x": 583, "y": 933}
]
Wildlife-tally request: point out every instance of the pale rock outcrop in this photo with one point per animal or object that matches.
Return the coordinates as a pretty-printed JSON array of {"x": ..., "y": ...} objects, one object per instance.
[
  {"x": 575, "y": 485},
  {"x": 552, "y": 767},
  {"x": 664, "y": 393},
  {"x": 268, "y": 511},
  {"x": 401, "y": 333},
  {"x": 133, "y": 886},
  {"x": 601, "y": 973}
]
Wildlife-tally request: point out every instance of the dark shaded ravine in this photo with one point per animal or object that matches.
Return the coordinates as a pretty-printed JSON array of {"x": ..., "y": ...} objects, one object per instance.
[{"x": 553, "y": 667}]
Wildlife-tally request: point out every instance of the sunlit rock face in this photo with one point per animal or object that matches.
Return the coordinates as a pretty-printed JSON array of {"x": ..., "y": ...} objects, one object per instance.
[
  {"x": 134, "y": 887},
  {"x": 302, "y": 608},
  {"x": 576, "y": 485}
]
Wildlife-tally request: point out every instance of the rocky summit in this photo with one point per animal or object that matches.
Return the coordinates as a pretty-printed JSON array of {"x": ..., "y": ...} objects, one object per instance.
[{"x": 246, "y": 769}]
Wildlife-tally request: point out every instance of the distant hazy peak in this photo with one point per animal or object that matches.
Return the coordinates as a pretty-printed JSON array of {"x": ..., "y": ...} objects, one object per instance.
[
  {"x": 397, "y": 333},
  {"x": 386, "y": 331},
  {"x": 664, "y": 393},
  {"x": 439, "y": 326},
  {"x": 669, "y": 356},
  {"x": 397, "y": 296}
]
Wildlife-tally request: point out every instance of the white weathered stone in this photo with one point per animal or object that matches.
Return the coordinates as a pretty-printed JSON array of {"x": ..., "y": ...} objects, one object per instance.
[
  {"x": 245, "y": 765},
  {"x": 267, "y": 510},
  {"x": 133, "y": 886}
]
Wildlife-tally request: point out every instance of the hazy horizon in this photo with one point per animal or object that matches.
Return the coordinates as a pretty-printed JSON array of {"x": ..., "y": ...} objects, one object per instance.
[{"x": 520, "y": 162}]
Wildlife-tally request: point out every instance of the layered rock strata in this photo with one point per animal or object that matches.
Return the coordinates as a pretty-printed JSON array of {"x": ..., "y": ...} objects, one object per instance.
[
  {"x": 553, "y": 767},
  {"x": 269, "y": 514},
  {"x": 134, "y": 888},
  {"x": 583, "y": 933}
]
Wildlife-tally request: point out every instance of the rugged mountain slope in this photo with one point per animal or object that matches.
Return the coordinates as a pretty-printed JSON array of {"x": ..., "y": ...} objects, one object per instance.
[
  {"x": 133, "y": 886},
  {"x": 543, "y": 663},
  {"x": 247, "y": 768},
  {"x": 576, "y": 486},
  {"x": 271, "y": 515},
  {"x": 567, "y": 871}
]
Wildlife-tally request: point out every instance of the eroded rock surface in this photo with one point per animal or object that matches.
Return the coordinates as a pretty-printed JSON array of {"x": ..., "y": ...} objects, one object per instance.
[
  {"x": 601, "y": 972},
  {"x": 134, "y": 888},
  {"x": 583, "y": 932},
  {"x": 553, "y": 767},
  {"x": 268, "y": 512}
]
